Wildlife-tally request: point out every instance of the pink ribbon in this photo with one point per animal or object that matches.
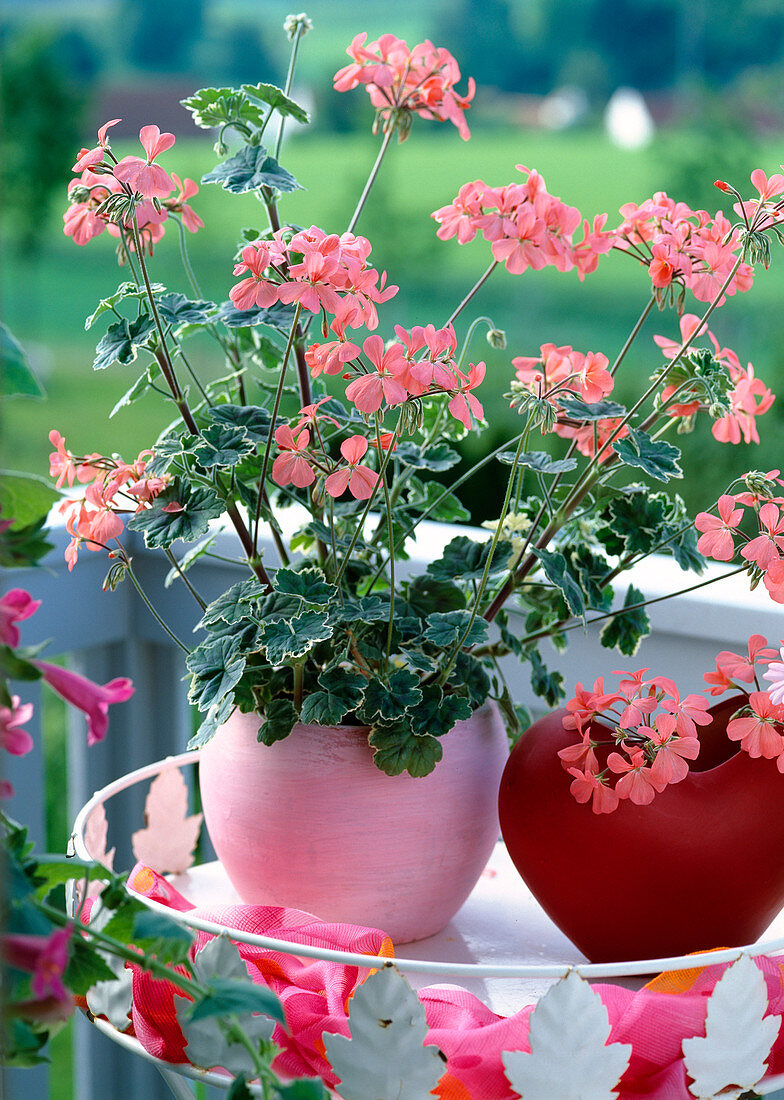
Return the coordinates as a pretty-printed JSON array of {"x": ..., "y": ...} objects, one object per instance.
[{"x": 315, "y": 996}]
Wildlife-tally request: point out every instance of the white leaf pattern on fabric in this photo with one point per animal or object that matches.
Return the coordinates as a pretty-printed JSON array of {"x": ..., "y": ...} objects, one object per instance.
[
  {"x": 167, "y": 842},
  {"x": 385, "y": 1055},
  {"x": 732, "y": 1056},
  {"x": 570, "y": 1057}
]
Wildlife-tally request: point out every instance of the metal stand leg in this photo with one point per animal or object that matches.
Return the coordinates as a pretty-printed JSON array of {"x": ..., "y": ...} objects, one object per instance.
[{"x": 180, "y": 1088}]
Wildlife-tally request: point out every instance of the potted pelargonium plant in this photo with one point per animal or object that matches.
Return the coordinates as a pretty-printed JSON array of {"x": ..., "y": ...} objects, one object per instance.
[{"x": 350, "y": 672}]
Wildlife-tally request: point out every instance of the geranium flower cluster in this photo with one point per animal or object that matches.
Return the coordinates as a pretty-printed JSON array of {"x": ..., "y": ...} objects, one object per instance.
[
  {"x": 102, "y": 176},
  {"x": 723, "y": 540},
  {"x": 403, "y": 82},
  {"x": 654, "y": 731},
  {"x": 525, "y": 225},
  {"x": 320, "y": 271},
  {"x": 685, "y": 246},
  {"x": 749, "y": 398},
  {"x": 114, "y": 488},
  {"x": 561, "y": 371},
  {"x": 421, "y": 361}
]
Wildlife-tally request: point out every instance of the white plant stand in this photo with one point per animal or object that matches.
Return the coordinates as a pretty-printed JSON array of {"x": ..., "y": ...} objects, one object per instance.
[{"x": 501, "y": 947}]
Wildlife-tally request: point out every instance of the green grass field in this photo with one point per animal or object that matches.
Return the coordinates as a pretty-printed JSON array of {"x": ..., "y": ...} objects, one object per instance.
[{"x": 46, "y": 297}]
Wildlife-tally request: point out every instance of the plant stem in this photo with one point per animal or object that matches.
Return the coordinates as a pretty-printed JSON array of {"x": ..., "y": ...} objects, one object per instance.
[
  {"x": 275, "y": 409},
  {"x": 287, "y": 86},
  {"x": 150, "y": 607},
  {"x": 488, "y": 564},
  {"x": 479, "y": 283},
  {"x": 391, "y": 537},
  {"x": 632, "y": 335},
  {"x": 590, "y": 475},
  {"x": 185, "y": 579},
  {"x": 572, "y": 625},
  {"x": 370, "y": 180}
]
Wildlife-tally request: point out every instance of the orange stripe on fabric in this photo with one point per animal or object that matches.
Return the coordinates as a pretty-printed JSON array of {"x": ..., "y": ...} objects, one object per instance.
[{"x": 678, "y": 981}]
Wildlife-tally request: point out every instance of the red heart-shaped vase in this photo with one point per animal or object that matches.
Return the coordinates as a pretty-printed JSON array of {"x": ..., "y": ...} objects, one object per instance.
[{"x": 699, "y": 867}]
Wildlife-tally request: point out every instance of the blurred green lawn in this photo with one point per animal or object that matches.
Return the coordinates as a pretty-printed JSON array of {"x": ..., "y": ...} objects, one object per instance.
[{"x": 46, "y": 297}]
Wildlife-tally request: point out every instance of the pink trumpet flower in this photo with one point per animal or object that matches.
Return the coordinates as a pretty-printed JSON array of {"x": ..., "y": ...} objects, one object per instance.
[{"x": 93, "y": 699}]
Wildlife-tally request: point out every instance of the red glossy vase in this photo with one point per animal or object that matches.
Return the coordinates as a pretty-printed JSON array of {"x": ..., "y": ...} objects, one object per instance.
[{"x": 700, "y": 867}]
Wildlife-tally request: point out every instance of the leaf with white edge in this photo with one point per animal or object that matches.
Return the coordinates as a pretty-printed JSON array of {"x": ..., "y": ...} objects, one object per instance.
[
  {"x": 222, "y": 445},
  {"x": 385, "y": 1056},
  {"x": 446, "y": 628},
  {"x": 122, "y": 341},
  {"x": 176, "y": 309},
  {"x": 655, "y": 456},
  {"x": 167, "y": 842},
  {"x": 277, "y": 99},
  {"x": 216, "y": 668},
  {"x": 207, "y": 1044},
  {"x": 309, "y": 584},
  {"x": 578, "y": 409},
  {"x": 249, "y": 170},
  {"x": 284, "y": 639},
  {"x": 123, "y": 291},
  {"x": 278, "y": 316},
  {"x": 177, "y": 513},
  {"x": 570, "y": 1057},
  {"x": 557, "y": 570},
  {"x": 113, "y": 999},
  {"x": 731, "y": 1058},
  {"x": 540, "y": 461},
  {"x": 253, "y": 418}
]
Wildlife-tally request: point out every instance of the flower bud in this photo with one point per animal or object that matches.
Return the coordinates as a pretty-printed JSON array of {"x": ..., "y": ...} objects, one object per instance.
[
  {"x": 294, "y": 23},
  {"x": 79, "y": 194},
  {"x": 722, "y": 186},
  {"x": 758, "y": 483},
  {"x": 496, "y": 338}
]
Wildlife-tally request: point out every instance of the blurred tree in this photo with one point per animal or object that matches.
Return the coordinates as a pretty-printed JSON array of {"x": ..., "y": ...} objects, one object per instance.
[
  {"x": 162, "y": 35},
  {"x": 42, "y": 103}
]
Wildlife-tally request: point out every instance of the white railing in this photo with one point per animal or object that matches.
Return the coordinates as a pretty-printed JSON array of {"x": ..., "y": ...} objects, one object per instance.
[{"x": 108, "y": 634}]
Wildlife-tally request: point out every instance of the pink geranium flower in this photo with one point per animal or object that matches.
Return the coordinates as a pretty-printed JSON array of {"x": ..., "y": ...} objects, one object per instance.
[
  {"x": 93, "y": 699},
  {"x": 636, "y": 782},
  {"x": 360, "y": 480},
  {"x": 149, "y": 179},
  {"x": 758, "y": 732},
  {"x": 291, "y": 467},
  {"x": 717, "y": 540},
  {"x": 672, "y": 752},
  {"x": 586, "y": 784}
]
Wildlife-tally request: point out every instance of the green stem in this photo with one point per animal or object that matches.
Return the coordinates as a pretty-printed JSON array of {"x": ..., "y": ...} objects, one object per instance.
[
  {"x": 370, "y": 180},
  {"x": 287, "y": 86},
  {"x": 431, "y": 507},
  {"x": 572, "y": 625},
  {"x": 150, "y": 607},
  {"x": 368, "y": 506},
  {"x": 114, "y": 947},
  {"x": 488, "y": 565},
  {"x": 274, "y": 417},
  {"x": 391, "y": 537},
  {"x": 479, "y": 283},
  {"x": 186, "y": 262},
  {"x": 185, "y": 579}
]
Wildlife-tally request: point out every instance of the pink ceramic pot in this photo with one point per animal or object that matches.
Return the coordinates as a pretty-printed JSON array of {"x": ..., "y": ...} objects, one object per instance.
[{"x": 310, "y": 822}]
